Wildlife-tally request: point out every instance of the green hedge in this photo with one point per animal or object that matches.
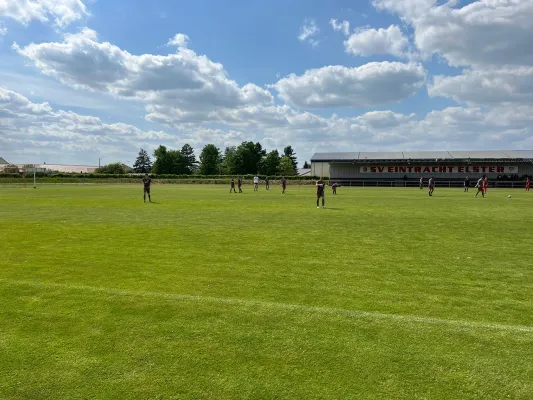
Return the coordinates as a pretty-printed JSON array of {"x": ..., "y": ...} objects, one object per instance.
[{"x": 90, "y": 177}]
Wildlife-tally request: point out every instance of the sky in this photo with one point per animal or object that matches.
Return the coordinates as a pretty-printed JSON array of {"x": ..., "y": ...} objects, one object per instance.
[{"x": 82, "y": 80}]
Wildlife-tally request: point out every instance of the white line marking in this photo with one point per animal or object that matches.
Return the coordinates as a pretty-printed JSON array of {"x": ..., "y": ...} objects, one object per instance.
[{"x": 266, "y": 304}]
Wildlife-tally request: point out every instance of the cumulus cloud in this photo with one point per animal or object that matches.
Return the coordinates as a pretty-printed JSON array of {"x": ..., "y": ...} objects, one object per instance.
[
  {"x": 36, "y": 129},
  {"x": 3, "y": 29},
  {"x": 61, "y": 12},
  {"x": 23, "y": 118},
  {"x": 308, "y": 31},
  {"x": 367, "y": 42},
  {"x": 185, "y": 81},
  {"x": 180, "y": 40},
  {"x": 487, "y": 86},
  {"x": 26, "y": 125},
  {"x": 480, "y": 34},
  {"x": 373, "y": 84}
]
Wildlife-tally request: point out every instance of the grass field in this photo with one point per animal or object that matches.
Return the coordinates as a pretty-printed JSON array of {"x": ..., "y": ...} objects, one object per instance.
[{"x": 385, "y": 294}]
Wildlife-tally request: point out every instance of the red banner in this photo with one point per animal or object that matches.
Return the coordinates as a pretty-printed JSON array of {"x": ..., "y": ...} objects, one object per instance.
[{"x": 440, "y": 169}]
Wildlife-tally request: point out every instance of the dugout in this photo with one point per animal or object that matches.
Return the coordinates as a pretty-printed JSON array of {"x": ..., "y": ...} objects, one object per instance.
[{"x": 409, "y": 167}]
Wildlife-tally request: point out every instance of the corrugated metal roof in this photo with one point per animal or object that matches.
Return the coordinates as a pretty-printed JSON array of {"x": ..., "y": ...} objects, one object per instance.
[
  {"x": 426, "y": 155},
  {"x": 366, "y": 155},
  {"x": 528, "y": 154},
  {"x": 334, "y": 156},
  {"x": 482, "y": 154}
]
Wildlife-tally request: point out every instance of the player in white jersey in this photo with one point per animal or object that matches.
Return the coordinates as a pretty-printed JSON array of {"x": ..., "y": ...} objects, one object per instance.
[
  {"x": 480, "y": 184},
  {"x": 421, "y": 183},
  {"x": 431, "y": 186},
  {"x": 256, "y": 183}
]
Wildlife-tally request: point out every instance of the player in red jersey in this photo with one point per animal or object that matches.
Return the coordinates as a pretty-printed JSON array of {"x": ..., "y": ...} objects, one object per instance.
[
  {"x": 485, "y": 184},
  {"x": 528, "y": 183}
]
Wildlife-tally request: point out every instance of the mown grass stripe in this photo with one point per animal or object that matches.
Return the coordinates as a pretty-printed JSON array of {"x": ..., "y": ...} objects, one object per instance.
[{"x": 358, "y": 314}]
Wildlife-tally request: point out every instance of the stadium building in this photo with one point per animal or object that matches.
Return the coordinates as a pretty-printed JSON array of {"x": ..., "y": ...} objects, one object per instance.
[{"x": 451, "y": 166}]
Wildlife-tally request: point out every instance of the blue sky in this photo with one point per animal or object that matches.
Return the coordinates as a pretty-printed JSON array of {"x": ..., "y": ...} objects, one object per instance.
[{"x": 405, "y": 75}]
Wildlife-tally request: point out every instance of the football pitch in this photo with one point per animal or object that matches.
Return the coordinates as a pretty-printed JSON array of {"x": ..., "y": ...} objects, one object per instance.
[{"x": 385, "y": 294}]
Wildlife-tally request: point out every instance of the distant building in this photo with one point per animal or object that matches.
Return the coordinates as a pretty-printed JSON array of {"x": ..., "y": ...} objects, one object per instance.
[
  {"x": 304, "y": 171},
  {"x": 416, "y": 164},
  {"x": 72, "y": 169}
]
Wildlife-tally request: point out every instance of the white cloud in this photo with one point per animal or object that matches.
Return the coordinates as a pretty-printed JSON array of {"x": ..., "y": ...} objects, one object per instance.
[
  {"x": 343, "y": 26},
  {"x": 33, "y": 131},
  {"x": 482, "y": 33},
  {"x": 383, "y": 119},
  {"x": 36, "y": 127},
  {"x": 370, "y": 85},
  {"x": 3, "y": 29},
  {"x": 367, "y": 42},
  {"x": 405, "y": 8},
  {"x": 185, "y": 81},
  {"x": 180, "y": 40},
  {"x": 487, "y": 86},
  {"x": 192, "y": 94},
  {"x": 61, "y": 12},
  {"x": 308, "y": 31}
]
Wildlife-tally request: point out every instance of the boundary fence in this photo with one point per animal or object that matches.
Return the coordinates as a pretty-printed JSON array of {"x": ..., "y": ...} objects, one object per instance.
[{"x": 413, "y": 183}]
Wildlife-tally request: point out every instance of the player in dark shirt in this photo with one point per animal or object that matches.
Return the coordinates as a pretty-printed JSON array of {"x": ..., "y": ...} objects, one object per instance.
[
  {"x": 467, "y": 183},
  {"x": 320, "y": 193},
  {"x": 147, "y": 184},
  {"x": 283, "y": 185},
  {"x": 239, "y": 183},
  {"x": 232, "y": 185},
  {"x": 334, "y": 188},
  {"x": 267, "y": 183}
]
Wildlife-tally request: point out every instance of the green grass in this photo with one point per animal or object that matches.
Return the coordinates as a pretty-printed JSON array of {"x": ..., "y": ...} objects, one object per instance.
[{"x": 386, "y": 294}]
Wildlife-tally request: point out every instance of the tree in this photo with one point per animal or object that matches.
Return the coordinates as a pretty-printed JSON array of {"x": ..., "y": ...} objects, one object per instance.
[
  {"x": 249, "y": 155},
  {"x": 233, "y": 163},
  {"x": 270, "y": 163},
  {"x": 286, "y": 167},
  {"x": 113, "y": 168},
  {"x": 161, "y": 161},
  {"x": 169, "y": 162},
  {"x": 307, "y": 165},
  {"x": 143, "y": 164},
  {"x": 289, "y": 152},
  {"x": 176, "y": 163},
  {"x": 210, "y": 160},
  {"x": 190, "y": 158}
]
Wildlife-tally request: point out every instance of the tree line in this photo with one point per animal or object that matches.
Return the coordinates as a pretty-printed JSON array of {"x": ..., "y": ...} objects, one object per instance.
[{"x": 248, "y": 158}]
